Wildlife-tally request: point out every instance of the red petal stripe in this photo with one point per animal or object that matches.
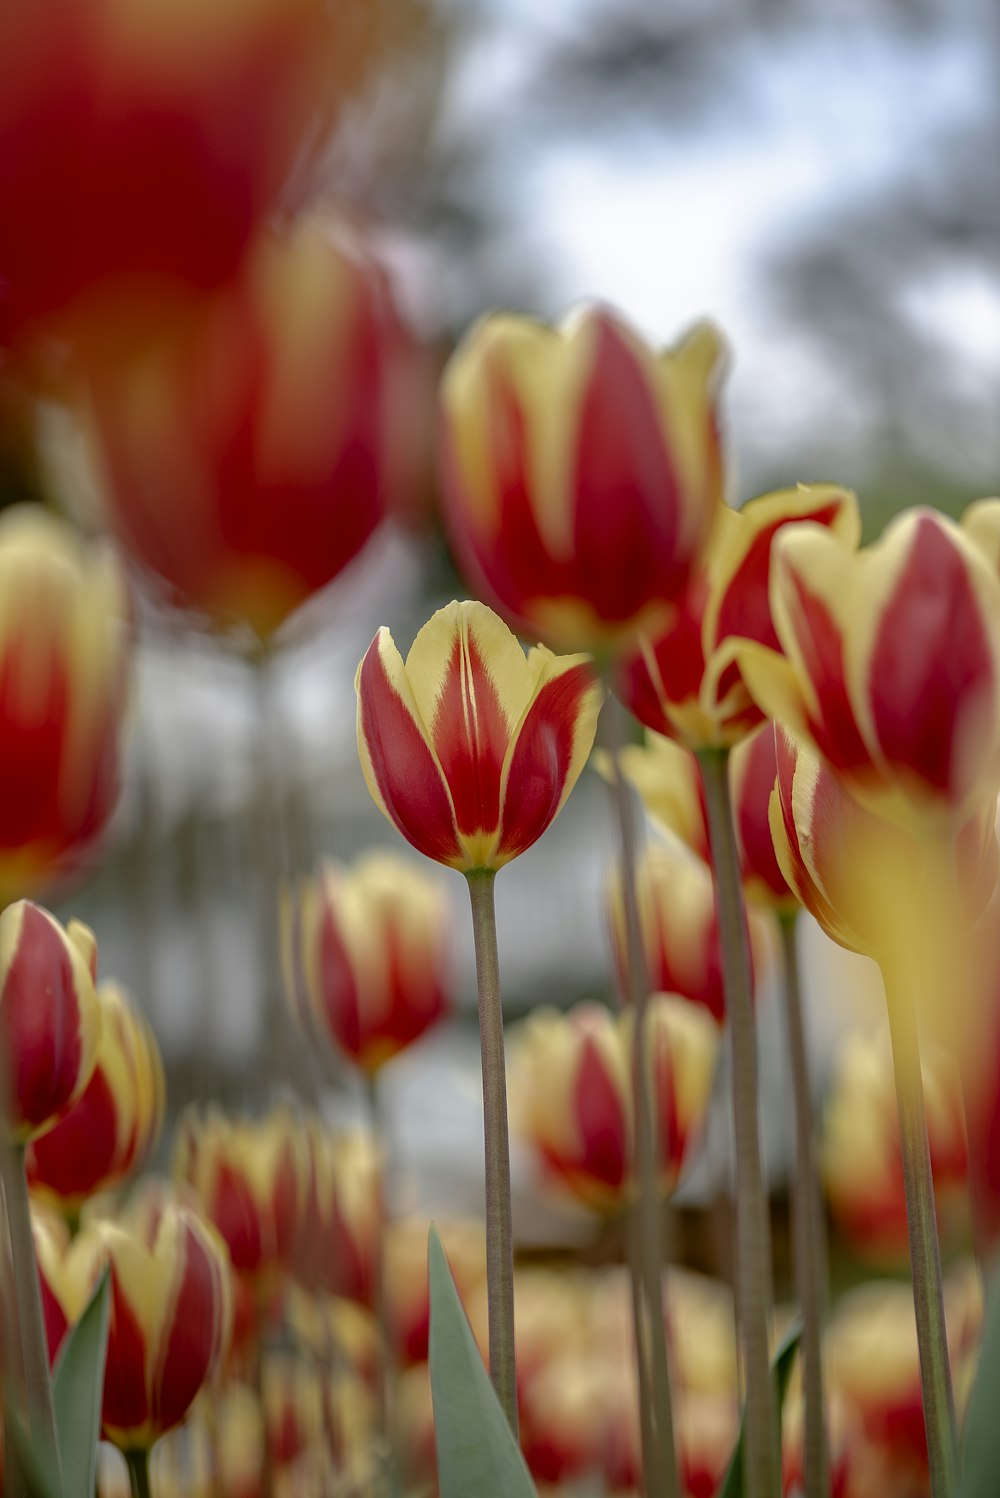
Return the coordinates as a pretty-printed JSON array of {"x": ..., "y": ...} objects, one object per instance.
[
  {"x": 471, "y": 736},
  {"x": 541, "y": 760}
]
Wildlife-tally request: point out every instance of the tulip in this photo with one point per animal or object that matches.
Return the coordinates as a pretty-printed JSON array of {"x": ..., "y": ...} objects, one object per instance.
[
  {"x": 293, "y": 1408},
  {"x": 563, "y": 1417},
  {"x": 63, "y": 663},
  {"x": 51, "y": 1241},
  {"x": 357, "y": 1217},
  {"x": 249, "y": 1177},
  {"x": 581, "y": 471},
  {"x": 112, "y": 1128},
  {"x": 169, "y": 1320},
  {"x": 49, "y": 1016},
  {"x": 680, "y": 929},
  {"x": 375, "y": 952},
  {"x": 406, "y": 1284},
  {"x": 142, "y": 145},
  {"x": 247, "y": 448},
  {"x": 891, "y": 665},
  {"x": 688, "y": 681},
  {"x": 468, "y": 748},
  {"x": 862, "y": 1163}
]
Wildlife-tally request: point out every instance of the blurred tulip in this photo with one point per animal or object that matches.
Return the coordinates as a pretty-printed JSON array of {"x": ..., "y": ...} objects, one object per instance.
[
  {"x": 680, "y": 928},
  {"x": 582, "y": 471},
  {"x": 375, "y": 956},
  {"x": 406, "y": 1285},
  {"x": 113, "y": 1126},
  {"x": 169, "y": 1323},
  {"x": 250, "y": 1178},
  {"x": 687, "y": 681},
  {"x": 141, "y": 144},
  {"x": 562, "y": 1419},
  {"x": 891, "y": 664},
  {"x": 357, "y": 1217},
  {"x": 706, "y": 1434},
  {"x": 293, "y": 1407},
  {"x": 469, "y": 749},
  {"x": 57, "y": 1292},
  {"x": 50, "y": 1021},
  {"x": 247, "y": 448},
  {"x": 63, "y": 666},
  {"x": 701, "y": 1318},
  {"x": 681, "y": 1050},
  {"x": 862, "y": 1161}
]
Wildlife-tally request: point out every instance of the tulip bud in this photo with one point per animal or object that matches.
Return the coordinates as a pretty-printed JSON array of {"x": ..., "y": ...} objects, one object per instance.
[
  {"x": 688, "y": 681},
  {"x": 49, "y": 1017},
  {"x": 582, "y": 472},
  {"x": 63, "y": 660},
  {"x": 375, "y": 955},
  {"x": 468, "y": 748},
  {"x": 357, "y": 1217},
  {"x": 113, "y": 1126},
  {"x": 58, "y": 1298},
  {"x": 169, "y": 1320},
  {"x": 862, "y": 1160},
  {"x": 682, "y": 1044},
  {"x": 247, "y": 448}
]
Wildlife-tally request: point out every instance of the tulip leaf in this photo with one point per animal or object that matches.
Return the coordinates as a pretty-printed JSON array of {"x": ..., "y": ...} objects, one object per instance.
[
  {"x": 981, "y": 1443},
  {"x": 781, "y": 1369},
  {"x": 476, "y": 1450},
  {"x": 34, "y": 1460},
  {"x": 78, "y": 1393}
]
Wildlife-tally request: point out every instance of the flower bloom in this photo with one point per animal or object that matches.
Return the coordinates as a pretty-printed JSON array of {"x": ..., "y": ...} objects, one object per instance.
[
  {"x": 469, "y": 748},
  {"x": 687, "y": 681},
  {"x": 890, "y": 664},
  {"x": 144, "y": 146},
  {"x": 679, "y": 923},
  {"x": 573, "y": 1095},
  {"x": 375, "y": 956},
  {"x": 862, "y": 1160},
  {"x": 113, "y": 1126},
  {"x": 247, "y": 448},
  {"x": 50, "y": 1019},
  {"x": 582, "y": 471},
  {"x": 169, "y": 1323},
  {"x": 63, "y": 666},
  {"x": 249, "y": 1176}
]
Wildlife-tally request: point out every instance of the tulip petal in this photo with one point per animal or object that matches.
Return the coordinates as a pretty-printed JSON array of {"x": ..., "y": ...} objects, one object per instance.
[
  {"x": 550, "y": 748},
  {"x": 399, "y": 767},
  {"x": 192, "y": 1339}
]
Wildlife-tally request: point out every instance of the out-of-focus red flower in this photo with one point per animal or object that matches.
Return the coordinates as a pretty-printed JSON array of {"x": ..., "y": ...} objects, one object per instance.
[
  {"x": 468, "y": 748},
  {"x": 247, "y": 447},
  {"x": 250, "y": 1178},
  {"x": 374, "y": 956},
  {"x": 357, "y": 1217},
  {"x": 687, "y": 681},
  {"x": 680, "y": 927},
  {"x": 63, "y": 667},
  {"x": 890, "y": 664},
  {"x": 140, "y": 144},
  {"x": 113, "y": 1126},
  {"x": 169, "y": 1324},
  {"x": 582, "y": 471},
  {"x": 50, "y": 1021},
  {"x": 862, "y": 1161}
]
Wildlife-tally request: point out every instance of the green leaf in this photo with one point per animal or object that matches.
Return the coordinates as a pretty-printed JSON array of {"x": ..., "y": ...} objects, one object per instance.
[
  {"x": 781, "y": 1370},
  {"x": 34, "y": 1459},
  {"x": 981, "y": 1444},
  {"x": 78, "y": 1393},
  {"x": 476, "y": 1450}
]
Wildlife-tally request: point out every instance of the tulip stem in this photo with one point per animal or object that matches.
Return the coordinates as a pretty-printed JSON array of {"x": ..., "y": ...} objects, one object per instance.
[
  {"x": 810, "y": 1239},
  {"x": 499, "y": 1231},
  {"x": 28, "y": 1296},
  {"x": 925, "y": 1253},
  {"x": 138, "y": 1473},
  {"x": 384, "y": 1368},
  {"x": 660, "y": 1459},
  {"x": 753, "y": 1228}
]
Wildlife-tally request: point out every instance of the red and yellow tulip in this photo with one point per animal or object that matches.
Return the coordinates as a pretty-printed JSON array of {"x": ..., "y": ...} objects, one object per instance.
[
  {"x": 582, "y": 471},
  {"x": 374, "y": 956},
  {"x": 50, "y": 1019},
  {"x": 468, "y": 748}
]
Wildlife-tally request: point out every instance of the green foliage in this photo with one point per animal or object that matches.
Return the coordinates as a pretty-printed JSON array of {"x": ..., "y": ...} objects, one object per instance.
[
  {"x": 476, "y": 1451},
  {"x": 981, "y": 1445},
  {"x": 781, "y": 1370}
]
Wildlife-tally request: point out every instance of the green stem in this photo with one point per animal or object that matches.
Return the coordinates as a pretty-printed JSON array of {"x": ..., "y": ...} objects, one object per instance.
[
  {"x": 384, "y": 1353},
  {"x": 753, "y": 1227},
  {"x": 31, "y": 1323},
  {"x": 925, "y": 1254},
  {"x": 810, "y": 1237},
  {"x": 138, "y": 1473},
  {"x": 499, "y": 1234},
  {"x": 660, "y": 1459}
]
